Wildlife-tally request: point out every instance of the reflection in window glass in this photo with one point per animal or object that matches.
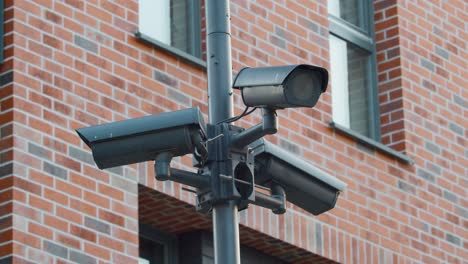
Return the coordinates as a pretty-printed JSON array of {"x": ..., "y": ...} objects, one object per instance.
[
  {"x": 175, "y": 23},
  {"x": 351, "y": 11},
  {"x": 180, "y": 35},
  {"x": 358, "y": 85},
  {"x": 151, "y": 251},
  {"x": 350, "y": 84}
]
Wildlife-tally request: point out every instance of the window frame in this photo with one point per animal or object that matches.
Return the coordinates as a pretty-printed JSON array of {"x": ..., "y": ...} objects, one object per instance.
[
  {"x": 357, "y": 37},
  {"x": 2, "y": 32},
  {"x": 195, "y": 39},
  {"x": 168, "y": 241}
]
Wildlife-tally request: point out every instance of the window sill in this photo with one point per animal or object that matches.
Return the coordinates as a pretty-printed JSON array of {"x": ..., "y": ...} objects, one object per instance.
[
  {"x": 370, "y": 142},
  {"x": 174, "y": 51}
]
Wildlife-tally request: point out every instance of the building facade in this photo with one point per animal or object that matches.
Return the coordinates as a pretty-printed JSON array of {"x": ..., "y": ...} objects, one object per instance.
[{"x": 392, "y": 125}]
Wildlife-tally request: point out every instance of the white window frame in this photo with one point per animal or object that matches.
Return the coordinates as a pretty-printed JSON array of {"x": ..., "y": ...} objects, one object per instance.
[
  {"x": 155, "y": 28},
  {"x": 343, "y": 33}
]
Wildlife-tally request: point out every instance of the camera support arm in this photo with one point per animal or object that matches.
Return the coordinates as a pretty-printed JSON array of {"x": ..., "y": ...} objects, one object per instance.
[
  {"x": 268, "y": 126},
  {"x": 276, "y": 201}
]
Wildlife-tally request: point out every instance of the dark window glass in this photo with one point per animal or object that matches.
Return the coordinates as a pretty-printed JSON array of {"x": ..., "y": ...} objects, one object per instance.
[
  {"x": 358, "y": 86},
  {"x": 180, "y": 25},
  {"x": 353, "y": 70},
  {"x": 151, "y": 251},
  {"x": 1, "y": 31},
  {"x": 352, "y": 11},
  {"x": 173, "y": 23}
]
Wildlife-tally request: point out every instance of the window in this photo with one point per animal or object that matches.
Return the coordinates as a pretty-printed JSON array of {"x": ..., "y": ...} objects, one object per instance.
[
  {"x": 172, "y": 24},
  {"x": 151, "y": 252},
  {"x": 157, "y": 247},
  {"x": 352, "y": 64},
  {"x": 1, "y": 31}
]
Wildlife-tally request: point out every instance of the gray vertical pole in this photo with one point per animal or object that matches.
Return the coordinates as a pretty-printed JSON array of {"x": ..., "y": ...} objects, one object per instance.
[
  {"x": 225, "y": 223},
  {"x": 226, "y": 233},
  {"x": 218, "y": 41}
]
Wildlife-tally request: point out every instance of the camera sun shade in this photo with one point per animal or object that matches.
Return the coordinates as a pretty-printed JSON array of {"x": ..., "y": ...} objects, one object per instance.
[
  {"x": 282, "y": 86},
  {"x": 305, "y": 185},
  {"x": 142, "y": 139}
]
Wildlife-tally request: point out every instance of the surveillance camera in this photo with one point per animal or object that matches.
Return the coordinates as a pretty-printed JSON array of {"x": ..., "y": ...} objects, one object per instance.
[
  {"x": 142, "y": 139},
  {"x": 282, "y": 86},
  {"x": 305, "y": 185}
]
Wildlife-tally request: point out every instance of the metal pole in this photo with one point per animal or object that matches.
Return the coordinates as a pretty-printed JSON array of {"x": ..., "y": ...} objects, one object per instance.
[
  {"x": 226, "y": 233},
  {"x": 218, "y": 40},
  {"x": 219, "y": 66}
]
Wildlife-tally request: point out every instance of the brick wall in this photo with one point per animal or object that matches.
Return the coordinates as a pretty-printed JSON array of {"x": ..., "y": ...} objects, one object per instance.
[
  {"x": 434, "y": 83},
  {"x": 74, "y": 63},
  {"x": 387, "y": 39},
  {"x": 6, "y": 151},
  {"x": 65, "y": 69}
]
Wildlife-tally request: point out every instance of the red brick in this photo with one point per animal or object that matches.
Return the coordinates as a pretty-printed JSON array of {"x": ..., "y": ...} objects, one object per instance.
[
  {"x": 111, "y": 217},
  {"x": 27, "y": 239},
  {"x": 27, "y": 186},
  {"x": 78, "y": 4},
  {"x": 6, "y": 236},
  {"x": 98, "y": 13},
  {"x": 52, "y": 42},
  {"x": 67, "y": 136},
  {"x": 84, "y": 208},
  {"x": 85, "y": 182},
  {"x": 67, "y": 188},
  {"x": 6, "y": 249},
  {"x": 69, "y": 215},
  {"x": 67, "y": 162},
  {"x": 40, "y": 230},
  {"x": 83, "y": 233},
  {"x": 86, "y": 68},
  {"x": 97, "y": 251},
  {"x": 68, "y": 241},
  {"x": 56, "y": 223},
  {"x": 97, "y": 199},
  {"x": 110, "y": 192},
  {"x": 124, "y": 235},
  {"x": 41, "y": 204},
  {"x": 111, "y": 243},
  {"x": 39, "y": 99},
  {"x": 53, "y": 17},
  {"x": 56, "y": 196}
]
